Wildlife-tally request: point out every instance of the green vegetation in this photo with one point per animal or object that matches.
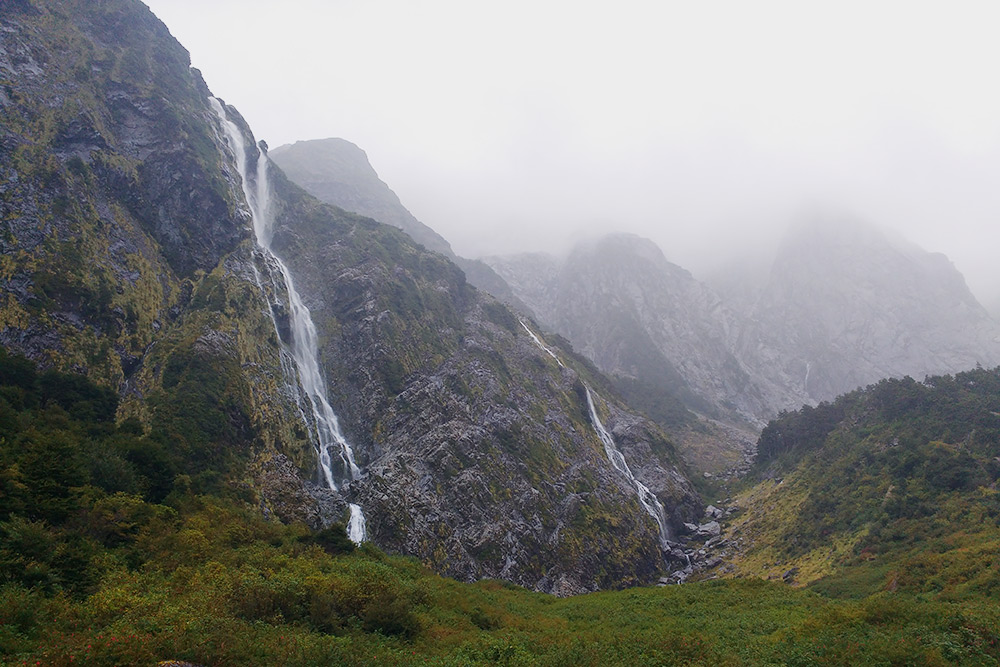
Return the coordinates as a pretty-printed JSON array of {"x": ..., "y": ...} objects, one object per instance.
[
  {"x": 108, "y": 556},
  {"x": 131, "y": 534},
  {"x": 888, "y": 488}
]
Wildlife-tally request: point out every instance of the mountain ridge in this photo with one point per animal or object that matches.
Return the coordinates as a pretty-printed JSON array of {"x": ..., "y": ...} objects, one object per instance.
[
  {"x": 767, "y": 339},
  {"x": 338, "y": 172}
]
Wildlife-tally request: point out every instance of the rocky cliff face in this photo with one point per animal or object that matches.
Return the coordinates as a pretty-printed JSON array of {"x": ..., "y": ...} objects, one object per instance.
[
  {"x": 641, "y": 319},
  {"x": 126, "y": 252},
  {"x": 477, "y": 449},
  {"x": 662, "y": 337},
  {"x": 128, "y": 256},
  {"x": 843, "y": 306},
  {"x": 338, "y": 172}
]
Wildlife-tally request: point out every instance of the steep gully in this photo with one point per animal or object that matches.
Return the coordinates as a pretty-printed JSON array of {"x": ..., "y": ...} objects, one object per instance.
[
  {"x": 647, "y": 498},
  {"x": 303, "y": 347}
]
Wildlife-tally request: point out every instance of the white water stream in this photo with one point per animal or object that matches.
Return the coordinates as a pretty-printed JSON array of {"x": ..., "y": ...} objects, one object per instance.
[
  {"x": 336, "y": 458},
  {"x": 647, "y": 498},
  {"x": 539, "y": 343}
]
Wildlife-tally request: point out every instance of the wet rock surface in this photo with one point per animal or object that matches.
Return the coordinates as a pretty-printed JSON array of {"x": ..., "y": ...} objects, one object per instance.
[
  {"x": 702, "y": 550},
  {"x": 477, "y": 449}
]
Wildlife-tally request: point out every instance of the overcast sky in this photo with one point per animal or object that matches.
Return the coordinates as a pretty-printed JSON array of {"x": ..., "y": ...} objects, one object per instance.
[{"x": 518, "y": 125}]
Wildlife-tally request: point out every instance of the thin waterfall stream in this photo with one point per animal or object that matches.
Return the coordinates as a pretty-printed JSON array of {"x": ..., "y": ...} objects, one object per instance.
[
  {"x": 334, "y": 452},
  {"x": 647, "y": 498}
]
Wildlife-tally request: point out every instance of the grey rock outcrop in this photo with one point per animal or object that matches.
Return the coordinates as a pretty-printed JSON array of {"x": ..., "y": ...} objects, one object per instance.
[{"x": 710, "y": 529}]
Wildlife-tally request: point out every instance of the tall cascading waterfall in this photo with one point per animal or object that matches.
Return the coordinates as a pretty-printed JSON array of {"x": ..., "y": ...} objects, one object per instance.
[
  {"x": 304, "y": 346},
  {"x": 647, "y": 498}
]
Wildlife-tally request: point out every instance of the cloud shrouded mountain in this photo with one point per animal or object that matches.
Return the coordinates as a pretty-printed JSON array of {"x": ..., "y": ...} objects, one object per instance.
[
  {"x": 846, "y": 305},
  {"x": 843, "y": 305},
  {"x": 840, "y": 304}
]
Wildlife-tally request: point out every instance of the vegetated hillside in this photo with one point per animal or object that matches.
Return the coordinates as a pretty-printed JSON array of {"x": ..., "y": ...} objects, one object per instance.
[
  {"x": 107, "y": 558},
  {"x": 888, "y": 488},
  {"x": 338, "y": 172},
  {"x": 128, "y": 257}
]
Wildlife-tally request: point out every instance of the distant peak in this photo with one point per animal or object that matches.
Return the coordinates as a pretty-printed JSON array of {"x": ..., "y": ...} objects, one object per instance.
[
  {"x": 331, "y": 147},
  {"x": 622, "y": 243},
  {"x": 835, "y": 226}
]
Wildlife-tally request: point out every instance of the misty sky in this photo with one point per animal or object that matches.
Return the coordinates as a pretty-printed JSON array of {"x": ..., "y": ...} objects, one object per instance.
[{"x": 517, "y": 125}]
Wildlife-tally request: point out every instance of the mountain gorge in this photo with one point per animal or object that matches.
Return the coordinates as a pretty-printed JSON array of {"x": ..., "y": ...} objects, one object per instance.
[
  {"x": 131, "y": 258},
  {"x": 252, "y": 411}
]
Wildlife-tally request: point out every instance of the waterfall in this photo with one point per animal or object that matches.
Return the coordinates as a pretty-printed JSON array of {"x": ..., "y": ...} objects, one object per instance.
[
  {"x": 647, "y": 498},
  {"x": 356, "y": 529},
  {"x": 304, "y": 346}
]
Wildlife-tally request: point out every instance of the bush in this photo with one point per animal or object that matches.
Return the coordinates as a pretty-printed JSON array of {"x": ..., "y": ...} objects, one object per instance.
[
  {"x": 390, "y": 614},
  {"x": 332, "y": 540}
]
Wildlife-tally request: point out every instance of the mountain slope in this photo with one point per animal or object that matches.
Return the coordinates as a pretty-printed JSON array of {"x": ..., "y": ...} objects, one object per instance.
[
  {"x": 338, "y": 172},
  {"x": 843, "y": 305},
  {"x": 621, "y": 303},
  {"x": 478, "y": 451},
  {"x": 846, "y": 305},
  {"x": 657, "y": 332},
  {"x": 125, "y": 253},
  {"x": 129, "y": 256}
]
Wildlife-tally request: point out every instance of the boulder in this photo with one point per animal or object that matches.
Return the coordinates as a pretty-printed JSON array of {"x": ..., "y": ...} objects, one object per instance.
[{"x": 710, "y": 529}]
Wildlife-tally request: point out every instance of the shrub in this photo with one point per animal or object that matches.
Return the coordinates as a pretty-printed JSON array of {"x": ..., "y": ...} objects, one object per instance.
[{"x": 390, "y": 614}]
